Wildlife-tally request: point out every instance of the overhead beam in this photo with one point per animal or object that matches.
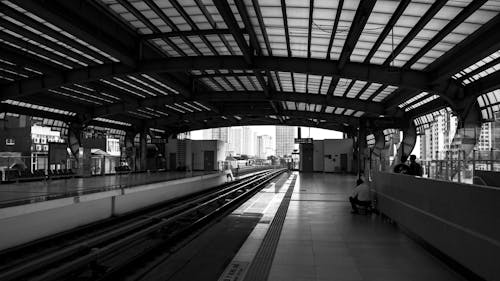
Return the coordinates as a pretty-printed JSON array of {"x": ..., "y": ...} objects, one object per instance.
[
  {"x": 240, "y": 5},
  {"x": 18, "y": 16},
  {"x": 263, "y": 30},
  {"x": 35, "y": 112},
  {"x": 181, "y": 33},
  {"x": 429, "y": 107},
  {"x": 388, "y": 27},
  {"x": 480, "y": 69},
  {"x": 484, "y": 85},
  {"x": 245, "y": 111},
  {"x": 252, "y": 96},
  {"x": 399, "y": 96},
  {"x": 285, "y": 24},
  {"x": 238, "y": 96},
  {"x": 81, "y": 75},
  {"x": 88, "y": 23},
  {"x": 460, "y": 18},
  {"x": 415, "y": 29},
  {"x": 23, "y": 59},
  {"x": 358, "y": 24},
  {"x": 478, "y": 45},
  {"x": 228, "y": 17},
  {"x": 251, "y": 121},
  {"x": 407, "y": 78},
  {"x": 411, "y": 79},
  {"x": 334, "y": 29}
]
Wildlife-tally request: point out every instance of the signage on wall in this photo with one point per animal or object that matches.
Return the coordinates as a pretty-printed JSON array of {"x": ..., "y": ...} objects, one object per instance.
[
  {"x": 159, "y": 140},
  {"x": 303, "y": 140}
]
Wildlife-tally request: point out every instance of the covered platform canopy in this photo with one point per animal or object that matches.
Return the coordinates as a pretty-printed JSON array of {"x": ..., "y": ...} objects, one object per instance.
[{"x": 175, "y": 66}]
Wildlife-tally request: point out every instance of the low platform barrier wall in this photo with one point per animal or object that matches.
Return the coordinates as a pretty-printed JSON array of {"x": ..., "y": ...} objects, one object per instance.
[
  {"x": 489, "y": 178},
  {"x": 460, "y": 220},
  {"x": 25, "y": 223}
]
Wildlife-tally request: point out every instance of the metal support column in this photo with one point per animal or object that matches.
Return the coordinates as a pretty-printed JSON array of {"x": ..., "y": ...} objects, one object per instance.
[
  {"x": 130, "y": 150},
  {"x": 143, "y": 150},
  {"x": 362, "y": 151}
]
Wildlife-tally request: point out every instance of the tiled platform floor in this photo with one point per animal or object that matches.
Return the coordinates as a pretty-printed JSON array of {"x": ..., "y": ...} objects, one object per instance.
[
  {"x": 322, "y": 240},
  {"x": 15, "y": 191}
]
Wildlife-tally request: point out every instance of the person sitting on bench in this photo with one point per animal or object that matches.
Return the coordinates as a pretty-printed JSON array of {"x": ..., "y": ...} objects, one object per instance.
[{"x": 360, "y": 196}]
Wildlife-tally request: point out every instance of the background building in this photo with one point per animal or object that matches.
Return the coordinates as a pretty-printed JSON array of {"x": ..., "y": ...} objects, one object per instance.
[
  {"x": 284, "y": 140},
  {"x": 264, "y": 146}
]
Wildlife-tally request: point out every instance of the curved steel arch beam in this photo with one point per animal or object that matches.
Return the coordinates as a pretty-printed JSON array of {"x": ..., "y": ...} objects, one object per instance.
[
  {"x": 242, "y": 96},
  {"x": 376, "y": 151},
  {"x": 246, "y": 111},
  {"x": 407, "y": 144},
  {"x": 359, "y": 71},
  {"x": 250, "y": 122},
  {"x": 406, "y": 78}
]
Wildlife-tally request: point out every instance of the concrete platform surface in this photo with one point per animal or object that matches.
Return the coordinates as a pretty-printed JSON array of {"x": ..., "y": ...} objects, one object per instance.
[{"x": 321, "y": 240}]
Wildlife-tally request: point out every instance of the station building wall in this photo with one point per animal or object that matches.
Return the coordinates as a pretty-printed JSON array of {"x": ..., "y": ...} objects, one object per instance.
[
  {"x": 332, "y": 150},
  {"x": 195, "y": 152},
  {"x": 318, "y": 156}
]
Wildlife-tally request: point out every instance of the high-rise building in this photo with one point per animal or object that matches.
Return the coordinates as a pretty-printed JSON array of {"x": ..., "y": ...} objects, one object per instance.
[
  {"x": 485, "y": 142},
  {"x": 496, "y": 132},
  {"x": 216, "y": 134},
  {"x": 284, "y": 140},
  {"x": 255, "y": 144},
  {"x": 222, "y": 134},
  {"x": 264, "y": 146},
  {"x": 236, "y": 139},
  {"x": 247, "y": 141}
]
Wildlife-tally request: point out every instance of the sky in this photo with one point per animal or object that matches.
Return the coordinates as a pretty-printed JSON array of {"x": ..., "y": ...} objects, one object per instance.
[{"x": 315, "y": 133}]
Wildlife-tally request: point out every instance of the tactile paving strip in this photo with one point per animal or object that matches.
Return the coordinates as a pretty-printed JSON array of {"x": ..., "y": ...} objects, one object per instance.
[{"x": 261, "y": 265}]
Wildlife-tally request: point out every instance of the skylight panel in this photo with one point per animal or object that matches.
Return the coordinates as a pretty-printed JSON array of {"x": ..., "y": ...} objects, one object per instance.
[
  {"x": 85, "y": 94},
  {"x": 201, "y": 105},
  {"x": 326, "y": 85},
  {"x": 38, "y": 107},
  {"x": 149, "y": 112},
  {"x": 157, "y": 111},
  {"x": 384, "y": 93},
  {"x": 370, "y": 91},
  {"x": 74, "y": 97},
  {"x": 313, "y": 83},
  {"x": 341, "y": 87},
  {"x": 183, "y": 107},
  {"x": 174, "y": 108},
  {"x": 148, "y": 85},
  {"x": 35, "y": 53},
  {"x": 300, "y": 82},
  {"x": 413, "y": 99},
  {"x": 121, "y": 87},
  {"x": 420, "y": 103},
  {"x": 489, "y": 104},
  {"x": 141, "y": 115},
  {"x": 134, "y": 86}
]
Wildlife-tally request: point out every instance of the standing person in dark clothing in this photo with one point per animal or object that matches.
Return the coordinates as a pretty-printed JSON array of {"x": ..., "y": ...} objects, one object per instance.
[{"x": 415, "y": 168}]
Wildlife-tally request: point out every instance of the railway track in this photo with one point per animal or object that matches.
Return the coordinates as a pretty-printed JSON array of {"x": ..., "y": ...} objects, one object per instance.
[{"x": 103, "y": 251}]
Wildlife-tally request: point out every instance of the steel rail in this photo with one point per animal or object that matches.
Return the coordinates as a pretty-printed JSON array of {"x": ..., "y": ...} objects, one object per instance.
[{"x": 150, "y": 222}]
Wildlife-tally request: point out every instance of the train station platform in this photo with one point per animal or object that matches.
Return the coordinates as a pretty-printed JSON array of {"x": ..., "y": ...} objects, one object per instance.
[
  {"x": 36, "y": 210},
  {"x": 25, "y": 192},
  {"x": 321, "y": 240},
  {"x": 300, "y": 228}
]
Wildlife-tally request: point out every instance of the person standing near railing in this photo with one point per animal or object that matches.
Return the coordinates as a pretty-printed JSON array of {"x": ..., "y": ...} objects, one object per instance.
[{"x": 415, "y": 168}]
